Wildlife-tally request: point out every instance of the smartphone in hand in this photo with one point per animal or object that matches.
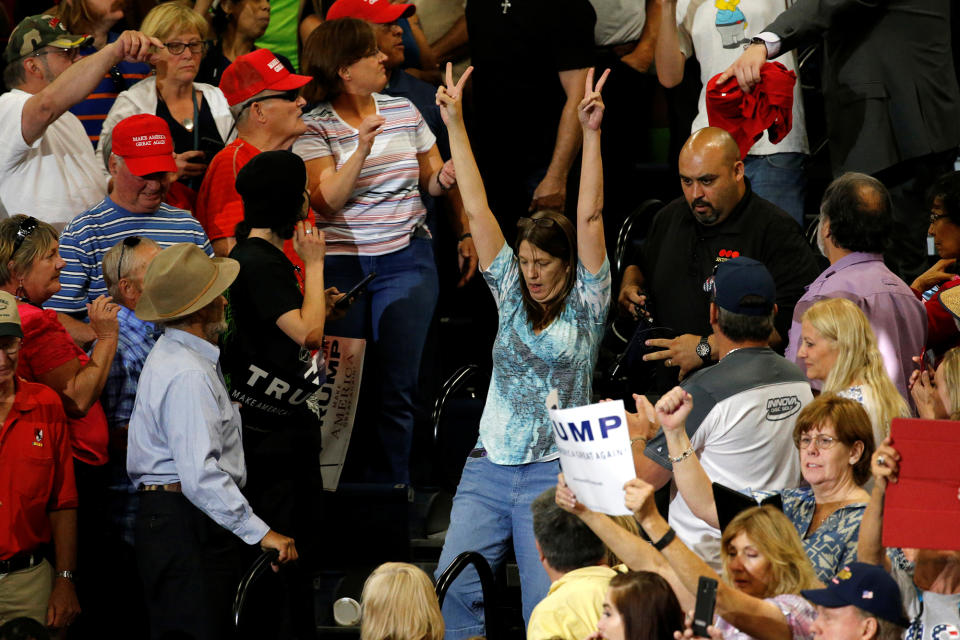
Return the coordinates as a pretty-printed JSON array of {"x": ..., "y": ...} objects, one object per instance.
[{"x": 706, "y": 600}]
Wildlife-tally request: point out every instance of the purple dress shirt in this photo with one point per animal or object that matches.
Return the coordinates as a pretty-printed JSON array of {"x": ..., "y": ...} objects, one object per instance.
[{"x": 898, "y": 319}]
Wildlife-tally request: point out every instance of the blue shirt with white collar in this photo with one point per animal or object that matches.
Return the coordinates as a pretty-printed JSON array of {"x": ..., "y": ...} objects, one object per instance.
[{"x": 185, "y": 429}]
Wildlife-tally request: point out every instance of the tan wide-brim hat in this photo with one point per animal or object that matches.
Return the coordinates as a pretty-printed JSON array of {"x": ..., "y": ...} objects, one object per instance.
[{"x": 182, "y": 279}]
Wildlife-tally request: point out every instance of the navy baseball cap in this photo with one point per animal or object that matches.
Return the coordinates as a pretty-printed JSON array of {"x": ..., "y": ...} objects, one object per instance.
[
  {"x": 862, "y": 585},
  {"x": 738, "y": 278}
]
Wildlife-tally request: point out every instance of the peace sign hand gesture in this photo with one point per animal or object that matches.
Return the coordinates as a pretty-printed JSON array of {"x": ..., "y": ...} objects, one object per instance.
[
  {"x": 450, "y": 97},
  {"x": 590, "y": 109}
]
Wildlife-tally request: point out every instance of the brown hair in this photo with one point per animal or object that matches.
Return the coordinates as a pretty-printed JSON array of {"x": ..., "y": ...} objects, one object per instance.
[
  {"x": 33, "y": 246},
  {"x": 850, "y": 422},
  {"x": 647, "y": 604},
  {"x": 74, "y": 14},
  {"x": 559, "y": 239},
  {"x": 399, "y": 603},
  {"x": 333, "y": 45},
  {"x": 776, "y": 538}
]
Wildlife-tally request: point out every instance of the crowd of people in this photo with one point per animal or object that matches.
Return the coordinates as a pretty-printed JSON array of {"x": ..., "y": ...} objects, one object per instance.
[{"x": 186, "y": 203}]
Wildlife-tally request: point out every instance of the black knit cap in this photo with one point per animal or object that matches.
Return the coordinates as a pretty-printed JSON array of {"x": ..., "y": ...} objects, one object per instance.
[{"x": 271, "y": 186}]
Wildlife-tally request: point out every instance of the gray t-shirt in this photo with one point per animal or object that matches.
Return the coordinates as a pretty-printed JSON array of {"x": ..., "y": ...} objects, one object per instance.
[{"x": 933, "y": 616}]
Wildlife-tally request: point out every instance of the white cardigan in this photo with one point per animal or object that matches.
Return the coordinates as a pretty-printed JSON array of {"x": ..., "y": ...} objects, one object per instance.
[{"x": 142, "y": 98}]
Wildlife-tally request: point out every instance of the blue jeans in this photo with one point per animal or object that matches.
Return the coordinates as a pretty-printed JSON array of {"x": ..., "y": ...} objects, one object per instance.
[
  {"x": 393, "y": 316},
  {"x": 492, "y": 506},
  {"x": 780, "y": 178}
]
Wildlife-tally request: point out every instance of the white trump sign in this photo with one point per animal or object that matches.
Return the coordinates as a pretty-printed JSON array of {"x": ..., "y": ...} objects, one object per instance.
[{"x": 595, "y": 454}]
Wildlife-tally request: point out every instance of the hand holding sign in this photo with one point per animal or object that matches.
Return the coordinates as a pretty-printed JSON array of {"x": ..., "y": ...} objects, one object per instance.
[{"x": 595, "y": 454}]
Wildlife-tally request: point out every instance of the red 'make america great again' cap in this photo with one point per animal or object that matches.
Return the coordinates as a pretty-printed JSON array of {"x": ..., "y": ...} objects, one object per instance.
[{"x": 144, "y": 143}]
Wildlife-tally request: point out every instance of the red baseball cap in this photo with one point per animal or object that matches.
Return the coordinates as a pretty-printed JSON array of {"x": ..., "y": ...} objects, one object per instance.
[
  {"x": 377, "y": 11},
  {"x": 144, "y": 143},
  {"x": 257, "y": 71}
]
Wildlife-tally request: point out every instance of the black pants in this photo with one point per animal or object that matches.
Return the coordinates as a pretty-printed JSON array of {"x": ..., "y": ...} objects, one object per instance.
[
  {"x": 282, "y": 486},
  {"x": 190, "y": 567}
]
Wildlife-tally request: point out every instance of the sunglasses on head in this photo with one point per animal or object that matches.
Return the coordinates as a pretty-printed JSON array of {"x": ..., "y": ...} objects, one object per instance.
[
  {"x": 526, "y": 223},
  {"x": 26, "y": 227},
  {"x": 290, "y": 95},
  {"x": 128, "y": 243}
]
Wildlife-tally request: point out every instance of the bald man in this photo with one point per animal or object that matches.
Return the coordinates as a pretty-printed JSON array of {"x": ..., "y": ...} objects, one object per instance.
[{"x": 718, "y": 218}]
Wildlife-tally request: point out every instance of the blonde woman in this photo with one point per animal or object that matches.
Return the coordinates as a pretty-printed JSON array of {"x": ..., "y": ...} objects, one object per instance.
[
  {"x": 840, "y": 350},
  {"x": 764, "y": 565},
  {"x": 399, "y": 603},
  {"x": 937, "y": 394},
  {"x": 198, "y": 115}
]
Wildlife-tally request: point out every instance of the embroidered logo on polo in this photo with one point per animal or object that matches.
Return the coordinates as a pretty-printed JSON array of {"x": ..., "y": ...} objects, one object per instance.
[
  {"x": 38, "y": 437},
  {"x": 782, "y": 408}
]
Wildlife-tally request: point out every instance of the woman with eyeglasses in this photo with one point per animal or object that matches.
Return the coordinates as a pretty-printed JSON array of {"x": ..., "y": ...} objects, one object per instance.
[
  {"x": 369, "y": 156},
  {"x": 840, "y": 351},
  {"x": 97, "y": 18},
  {"x": 197, "y": 113},
  {"x": 552, "y": 290},
  {"x": 834, "y": 439}
]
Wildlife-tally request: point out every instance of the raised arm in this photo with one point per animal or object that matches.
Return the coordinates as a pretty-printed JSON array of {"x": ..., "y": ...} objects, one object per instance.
[
  {"x": 669, "y": 59},
  {"x": 487, "y": 236},
  {"x": 753, "y": 616},
  {"x": 692, "y": 481},
  {"x": 636, "y": 553},
  {"x": 305, "y": 325},
  {"x": 869, "y": 545},
  {"x": 590, "y": 246},
  {"x": 329, "y": 188},
  {"x": 78, "y": 80}
]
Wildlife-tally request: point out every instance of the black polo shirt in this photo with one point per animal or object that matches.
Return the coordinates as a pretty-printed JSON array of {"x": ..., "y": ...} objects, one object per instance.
[{"x": 679, "y": 254}]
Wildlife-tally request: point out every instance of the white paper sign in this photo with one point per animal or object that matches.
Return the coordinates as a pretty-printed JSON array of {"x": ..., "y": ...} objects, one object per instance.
[
  {"x": 595, "y": 454},
  {"x": 336, "y": 403}
]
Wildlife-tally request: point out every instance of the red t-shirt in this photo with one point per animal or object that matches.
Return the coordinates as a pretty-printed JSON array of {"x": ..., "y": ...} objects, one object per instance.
[
  {"x": 46, "y": 346},
  {"x": 219, "y": 207},
  {"x": 36, "y": 468}
]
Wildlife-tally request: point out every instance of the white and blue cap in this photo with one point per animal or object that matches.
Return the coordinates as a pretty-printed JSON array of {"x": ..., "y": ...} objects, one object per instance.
[
  {"x": 9, "y": 316},
  {"x": 865, "y": 586},
  {"x": 744, "y": 286}
]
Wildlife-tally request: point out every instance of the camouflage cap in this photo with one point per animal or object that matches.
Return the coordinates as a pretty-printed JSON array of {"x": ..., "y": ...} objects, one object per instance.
[{"x": 35, "y": 32}]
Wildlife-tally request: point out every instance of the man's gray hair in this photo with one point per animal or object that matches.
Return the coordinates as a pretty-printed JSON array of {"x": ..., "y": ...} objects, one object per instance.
[
  {"x": 886, "y": 630},
  {"x": 14, "y": 75},
  {"x": 132, "y": 259},
  {"x": 743, "y": 328}
]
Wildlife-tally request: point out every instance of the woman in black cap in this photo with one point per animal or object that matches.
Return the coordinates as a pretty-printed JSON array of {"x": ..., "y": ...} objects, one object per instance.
[{"x": 276, "y": 322}]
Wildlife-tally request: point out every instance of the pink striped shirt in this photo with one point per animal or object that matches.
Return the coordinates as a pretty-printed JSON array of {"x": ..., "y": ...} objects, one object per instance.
[{"x": 385, "y": 204}]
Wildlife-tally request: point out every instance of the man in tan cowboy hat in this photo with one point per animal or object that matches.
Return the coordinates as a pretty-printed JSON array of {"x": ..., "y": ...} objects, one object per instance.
[
  {"x": 185, "y": 454},
  {"x": 47, "y": 167}
]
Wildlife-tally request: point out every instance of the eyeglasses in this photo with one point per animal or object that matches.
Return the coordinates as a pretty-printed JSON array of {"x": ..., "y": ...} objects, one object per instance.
[
  {"x": 128, "y": 242},
  {"x": 176, "y": 48},
  {"x": 822, "y": 442},
  {"x": 27, "y": 226},
  {"x": 69, "y": 54},
  {"x": 936, "y": 216}
]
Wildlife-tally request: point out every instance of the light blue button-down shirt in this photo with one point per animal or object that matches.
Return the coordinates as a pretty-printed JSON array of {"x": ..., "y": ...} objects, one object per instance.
[{"x": 185, "y": 429}]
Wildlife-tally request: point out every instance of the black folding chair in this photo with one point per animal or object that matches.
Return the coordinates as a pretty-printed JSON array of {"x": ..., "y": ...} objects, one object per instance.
[
  {"x": 451, "y": 573},
  {"x": 256, "y": 569}
]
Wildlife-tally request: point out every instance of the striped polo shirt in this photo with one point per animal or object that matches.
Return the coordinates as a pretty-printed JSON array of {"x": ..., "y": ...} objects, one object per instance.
[
  {"x": 90, "y": 235},
  {"x": 385, "y": 204}
]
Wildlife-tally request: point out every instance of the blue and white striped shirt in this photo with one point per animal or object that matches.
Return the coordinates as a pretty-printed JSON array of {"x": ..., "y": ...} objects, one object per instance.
[{"x": 90, "y": 235}]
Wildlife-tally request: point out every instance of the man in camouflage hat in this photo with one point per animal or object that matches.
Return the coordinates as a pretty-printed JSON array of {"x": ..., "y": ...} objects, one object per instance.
[{"x": 47, "y": 168}]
